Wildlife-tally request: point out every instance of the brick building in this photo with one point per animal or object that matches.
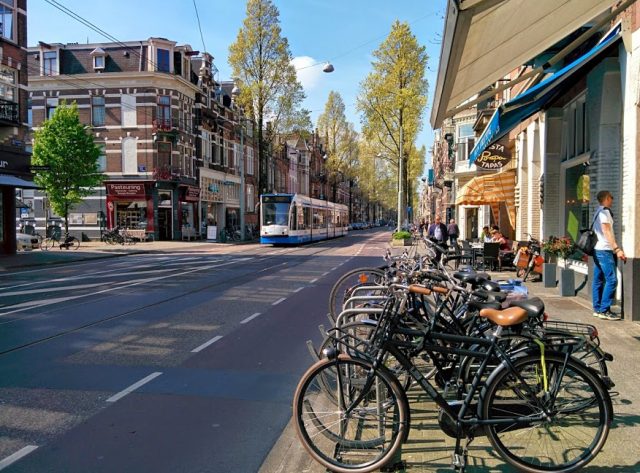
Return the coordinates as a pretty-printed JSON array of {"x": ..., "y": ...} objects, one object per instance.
[
  {"x": 167, "y": 131},
  {"x": 14, "y": 161}
]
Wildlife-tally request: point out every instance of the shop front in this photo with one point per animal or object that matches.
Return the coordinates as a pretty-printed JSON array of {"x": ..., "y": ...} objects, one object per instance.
[
  {"x": 130, "y": 206},
  {"x": 188, "y": 206},
  {"x": 14, "y": 174},
  {"x": 219, "y": 202}
]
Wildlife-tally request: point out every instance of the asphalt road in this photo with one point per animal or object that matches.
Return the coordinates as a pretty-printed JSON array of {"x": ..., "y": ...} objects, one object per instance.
[{"x": 181, "y": 362}]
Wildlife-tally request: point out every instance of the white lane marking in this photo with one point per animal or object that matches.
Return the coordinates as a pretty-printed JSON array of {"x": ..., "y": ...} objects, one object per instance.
[
  {"x": 299, "y": 289},
  {"x": 334, "y": 268},
  {"x": 133, "y": 387},
  {"x": 206, "y": 344},
  {"x": 250, "y": 318},
  {"x": 17, "y": 456},
  {"x": 313, "y": 280},
  {"x": 282, "y": 299},
  {"x": 324, "y": 274},
  {"x": 124, "y": 286}
]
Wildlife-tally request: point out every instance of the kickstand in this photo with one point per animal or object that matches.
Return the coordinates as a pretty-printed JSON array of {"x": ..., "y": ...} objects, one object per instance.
[{"x": 461, "y": 455}]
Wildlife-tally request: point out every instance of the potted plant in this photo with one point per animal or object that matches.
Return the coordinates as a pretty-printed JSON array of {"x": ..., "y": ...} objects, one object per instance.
[
  {"x": 561, "y": 248},
  {"x": 401, "y": 238}
]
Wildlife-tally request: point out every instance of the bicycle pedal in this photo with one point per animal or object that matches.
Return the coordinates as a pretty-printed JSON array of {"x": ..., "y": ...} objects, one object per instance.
[{"x": 459, "y": 462}]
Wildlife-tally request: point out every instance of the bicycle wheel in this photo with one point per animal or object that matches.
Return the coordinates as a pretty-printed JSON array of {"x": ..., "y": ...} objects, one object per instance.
[
  {"x": 569, "y": 422},
  {"x": 74, "y": 243},
  {"x": 358, "y": 429},
  {"x": 48, "y": 243},
  {"x": 344, "y": 287}
]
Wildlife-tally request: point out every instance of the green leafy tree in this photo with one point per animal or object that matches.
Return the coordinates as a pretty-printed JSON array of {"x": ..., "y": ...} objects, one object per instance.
[
  {"x": 392, "y": 100},
  {"x": 334, "y": 128},
  {"x": 260, "y": 59},
  {"x": 66, "y": 147}
]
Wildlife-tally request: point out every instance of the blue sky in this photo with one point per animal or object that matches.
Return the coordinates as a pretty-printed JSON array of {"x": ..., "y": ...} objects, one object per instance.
[{"x": 344, "y": 32}]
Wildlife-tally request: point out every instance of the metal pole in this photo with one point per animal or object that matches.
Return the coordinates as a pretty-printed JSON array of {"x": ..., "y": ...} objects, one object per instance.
[
  {"x": 400, "y": 179},
  {"x": 242, "y": 203}
]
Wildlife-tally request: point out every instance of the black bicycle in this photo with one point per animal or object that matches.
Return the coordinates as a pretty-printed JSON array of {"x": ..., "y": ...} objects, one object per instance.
[
  {"x": 68, "y": 243},
  {"x": 542, "y": 410}
]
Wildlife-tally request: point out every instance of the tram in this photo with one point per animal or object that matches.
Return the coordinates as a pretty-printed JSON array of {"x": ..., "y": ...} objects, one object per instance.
[{"x": 292, "y": 219}]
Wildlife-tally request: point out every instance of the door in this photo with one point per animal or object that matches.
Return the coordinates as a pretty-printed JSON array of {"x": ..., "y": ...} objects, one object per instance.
[{"x": 164, "y": 224}]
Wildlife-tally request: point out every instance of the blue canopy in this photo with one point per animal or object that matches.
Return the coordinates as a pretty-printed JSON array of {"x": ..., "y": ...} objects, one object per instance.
[{"x": 509, "y": 115}]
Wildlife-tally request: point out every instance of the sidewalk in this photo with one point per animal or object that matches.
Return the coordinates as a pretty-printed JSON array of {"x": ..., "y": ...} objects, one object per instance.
[
  {"x": 428, "y": 450},
  {"x": 98, "y": 250}
]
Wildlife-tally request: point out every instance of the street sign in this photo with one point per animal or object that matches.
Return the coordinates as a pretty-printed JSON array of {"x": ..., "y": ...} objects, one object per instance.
[{"x": 40, "y": 168}]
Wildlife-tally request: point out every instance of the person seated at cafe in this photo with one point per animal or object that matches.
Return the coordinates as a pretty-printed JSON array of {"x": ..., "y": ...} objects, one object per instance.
[
  {"x": 506, "y": 251},
  {"x": 485, "y": 235}
]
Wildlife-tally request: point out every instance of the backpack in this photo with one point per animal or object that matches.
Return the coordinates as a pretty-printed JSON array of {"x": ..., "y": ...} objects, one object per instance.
[{"x": 588, "y": 239}]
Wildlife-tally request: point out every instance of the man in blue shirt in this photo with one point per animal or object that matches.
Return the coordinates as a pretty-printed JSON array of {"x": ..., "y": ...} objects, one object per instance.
[{"x": 438, "y": 231}]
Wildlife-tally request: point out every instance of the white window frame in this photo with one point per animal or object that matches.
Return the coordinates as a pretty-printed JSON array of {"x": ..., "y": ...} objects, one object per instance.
[
  {"x": 250, "y": 198},
  {"x": 54, "y": 62},
  {"x": 130, "y": 155},
  {"x": 236, "y": 156},
  {"x": 96, "y": 66},
  {"x": 249, "y": 160},
  {"x": 8, "y": 82},
  {"x": 129, "y": 111},
  {"x": 102, "y": 157},
  {"x": 10, "y": 6},
  {"x": 575, "y": 128},
  {"x": 206, "y": 146}
]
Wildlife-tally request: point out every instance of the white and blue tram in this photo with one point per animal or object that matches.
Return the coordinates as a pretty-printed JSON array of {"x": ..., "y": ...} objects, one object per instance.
[{"x": 291, "y": 219}]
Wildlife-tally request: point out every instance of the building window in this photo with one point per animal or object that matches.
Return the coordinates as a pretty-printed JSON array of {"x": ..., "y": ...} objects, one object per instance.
[
  {"x": 52, "y": 104},
  {"x": 164, "y": 155},
  {"x": 50, "y": 63},
  {"x": 102, "y": 158},
  {"x": 250, "y": 198},
  {"x": 577, "y": 196},
  {"x": 575, "y": 129},
  {"x": 97, "y": 110},
  {"x": 6, "y": 19},
  {"x": 129, "y": 111},
  {"x": 249, "y": 164},
  {"x": 206, "y": 146},
  {"x": 162, "y": 60},
  {"x": 226, "y": 153},
  {"x": 8, "y": 90},
  {"x": 98, "y": 62},
  {"x": 236, "y": 154},
  {"x": 218, "y": 150},
  {"x": 29, "y": 113},
  {"x": 164, "y": 112},
  {"x": 130, "y": 155}
]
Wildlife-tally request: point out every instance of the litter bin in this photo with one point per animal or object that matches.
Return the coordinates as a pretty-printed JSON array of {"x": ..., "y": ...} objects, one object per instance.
[{"x": 222, "y": 236}]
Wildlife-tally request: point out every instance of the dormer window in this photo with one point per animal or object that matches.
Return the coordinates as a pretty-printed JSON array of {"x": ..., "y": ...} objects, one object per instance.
[{"x": 99, "y": 59}]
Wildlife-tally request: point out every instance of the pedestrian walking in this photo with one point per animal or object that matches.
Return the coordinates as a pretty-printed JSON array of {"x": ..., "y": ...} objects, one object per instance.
[
  {"x": 438, "y": 231},
  {"x": 454, "y": 232},
  {"x": 605, "y": 255},
  {"x": 422, "y": 227}
]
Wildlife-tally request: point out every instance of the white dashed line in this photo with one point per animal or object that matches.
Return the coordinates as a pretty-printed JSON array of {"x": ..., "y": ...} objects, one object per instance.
[
  {"x": 206, "y": 344},
  {"x": 313, "y": 281},
  {"x": 17, "y": 456},
  {"x": 299, "y": 289},
  {"x": 250, "y": 318},
  {"x": 279, "y": 301},
  {"x": 334, "y": 268},
  {"x": 324, "y": 274},
  {"x": 133, "y": 387}
]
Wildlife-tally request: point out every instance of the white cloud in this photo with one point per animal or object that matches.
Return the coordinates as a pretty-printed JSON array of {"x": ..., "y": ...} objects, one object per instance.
[{"x": 308, "y": 73}]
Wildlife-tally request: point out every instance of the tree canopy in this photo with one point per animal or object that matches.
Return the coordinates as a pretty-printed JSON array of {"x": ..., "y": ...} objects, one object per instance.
[
  {"x": 260, "y": 59},
  {"x": 66, "y": 147},
  {"x": 392, "y": 98}
]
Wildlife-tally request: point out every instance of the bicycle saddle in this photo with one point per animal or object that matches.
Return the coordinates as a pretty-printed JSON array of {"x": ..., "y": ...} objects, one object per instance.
[
  {"x": 507, "y": 317},
  {"x": 534, "y": 306}
]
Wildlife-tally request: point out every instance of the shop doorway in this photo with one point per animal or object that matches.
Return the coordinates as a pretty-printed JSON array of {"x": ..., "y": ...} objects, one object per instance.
[
  {"x": 165, "y": 227},
  {"x": 471, "y": 223}
]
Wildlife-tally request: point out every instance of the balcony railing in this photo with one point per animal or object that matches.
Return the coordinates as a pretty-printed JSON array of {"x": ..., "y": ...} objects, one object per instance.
[
  {"x": 164, "y": 124},
  {"x": 8, "y": 111}
]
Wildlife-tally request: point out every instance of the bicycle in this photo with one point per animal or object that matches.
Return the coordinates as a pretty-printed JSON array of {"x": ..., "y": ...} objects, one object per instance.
[
  {"x": 529, "y": 259},
  {"x": 69, "y": 242},
  {"x": 542, "y": 410}
]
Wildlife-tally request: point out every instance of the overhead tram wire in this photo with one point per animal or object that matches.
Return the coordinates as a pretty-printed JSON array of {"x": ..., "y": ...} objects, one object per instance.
[{"x": 199, "y": 27}]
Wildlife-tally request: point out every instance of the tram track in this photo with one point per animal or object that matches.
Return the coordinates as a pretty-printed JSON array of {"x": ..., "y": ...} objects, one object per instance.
[{"x": 316, "y": 250}]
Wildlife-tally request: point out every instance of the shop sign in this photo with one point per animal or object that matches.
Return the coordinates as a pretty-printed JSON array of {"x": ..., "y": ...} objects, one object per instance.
[
  {"x": 126, "y": 190},
  {"x": 191, "y": 194},
  {"x": 495, "y": 156}
]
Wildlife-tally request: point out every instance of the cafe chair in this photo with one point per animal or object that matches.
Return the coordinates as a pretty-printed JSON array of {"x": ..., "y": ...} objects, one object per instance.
[{"x": 490, "y": 254}]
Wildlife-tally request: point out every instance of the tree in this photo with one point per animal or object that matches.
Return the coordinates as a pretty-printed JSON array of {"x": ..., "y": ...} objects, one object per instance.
[
  {"x": 334, "y": 128},
  {"x": 65, "y": 146},
  {"x": 261, "y": 61},
  {"x": 393, "y": 98}
]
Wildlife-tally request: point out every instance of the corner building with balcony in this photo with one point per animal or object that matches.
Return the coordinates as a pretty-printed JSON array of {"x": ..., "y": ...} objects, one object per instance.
[
  {"x": 15, "y": 175},
  {"x": 144, "y": 102}
]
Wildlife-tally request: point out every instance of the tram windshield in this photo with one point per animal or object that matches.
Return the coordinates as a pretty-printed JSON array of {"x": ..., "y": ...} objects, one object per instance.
[{"x": 274, "y": 213}]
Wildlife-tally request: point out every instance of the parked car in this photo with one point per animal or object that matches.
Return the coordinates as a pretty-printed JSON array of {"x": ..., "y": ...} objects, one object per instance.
[{"x": 26, "y": 242}]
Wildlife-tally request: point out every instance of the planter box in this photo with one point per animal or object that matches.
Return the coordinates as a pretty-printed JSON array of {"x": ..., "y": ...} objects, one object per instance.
[
  {"x": 405, "y": 242},
  {"x": 567, "y": 283},
  {"x": 549, "y": 274}
]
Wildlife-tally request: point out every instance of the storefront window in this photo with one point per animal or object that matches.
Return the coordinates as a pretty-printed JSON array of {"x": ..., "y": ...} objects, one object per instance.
[
  {"x": 577, "y": 197},
  {"x": 1, "y": 217},
  {"x": 132, "y": 214}
]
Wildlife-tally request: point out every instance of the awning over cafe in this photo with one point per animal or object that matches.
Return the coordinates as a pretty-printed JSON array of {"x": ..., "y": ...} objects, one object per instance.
[
  {"x": 509, "y": 115},
  {"x": 490, "y": 189},
  {"x": 13, "y": 181},
  {"x": 484, "y": 40}
]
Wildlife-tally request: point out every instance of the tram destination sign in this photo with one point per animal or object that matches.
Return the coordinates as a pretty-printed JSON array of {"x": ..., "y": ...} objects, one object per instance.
[
  {"x": 276, "y": 199},
  {"x": 495, "y": 156}
]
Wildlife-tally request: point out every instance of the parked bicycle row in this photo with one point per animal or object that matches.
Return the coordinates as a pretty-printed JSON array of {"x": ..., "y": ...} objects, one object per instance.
[{"x": 494, "y": 365}]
